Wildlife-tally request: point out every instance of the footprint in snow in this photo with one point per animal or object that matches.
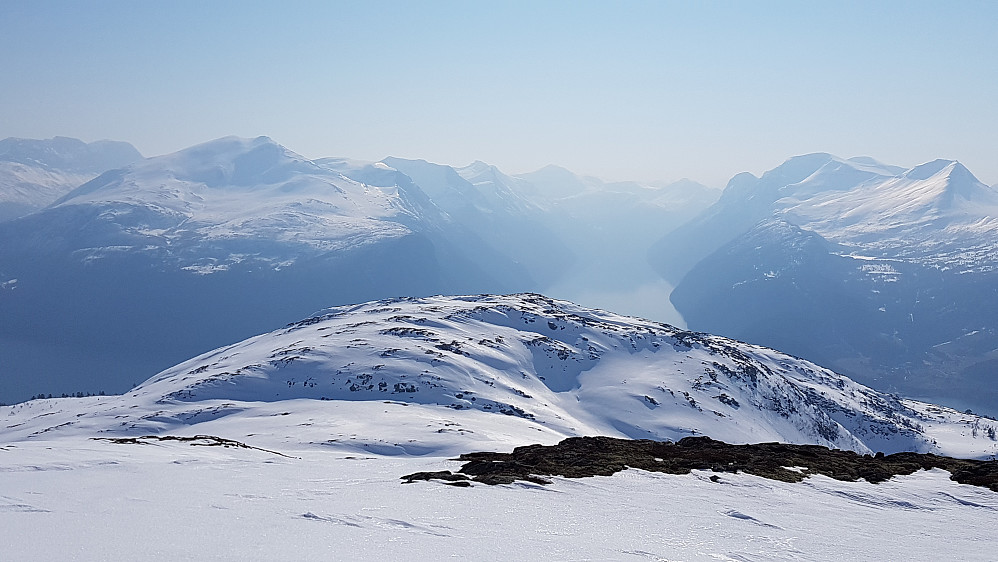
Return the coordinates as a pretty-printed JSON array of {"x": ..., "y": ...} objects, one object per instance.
[{"x": 743, "y": 517}]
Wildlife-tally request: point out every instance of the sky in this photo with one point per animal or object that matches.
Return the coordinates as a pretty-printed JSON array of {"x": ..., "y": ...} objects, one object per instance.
[{"x": 619, "y": 90}]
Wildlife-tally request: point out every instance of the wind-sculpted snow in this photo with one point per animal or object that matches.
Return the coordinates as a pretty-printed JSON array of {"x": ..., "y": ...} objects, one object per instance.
[{"x": 538, "y": 363}]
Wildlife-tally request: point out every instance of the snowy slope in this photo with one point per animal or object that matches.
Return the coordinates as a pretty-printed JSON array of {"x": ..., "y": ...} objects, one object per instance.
[
  {"x": 935, "y": 212},
  {"x": 34, "y": 173},
  {"x": 479, "y": 198},
  {"x": 334, "y": 409},
  {"x": 508, "y": 233},
  {"x": 66, "y": 499},
  {"x": 555, "y": 368}
]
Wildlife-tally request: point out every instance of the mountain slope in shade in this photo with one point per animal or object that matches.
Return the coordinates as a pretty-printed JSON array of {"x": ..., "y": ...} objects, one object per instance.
[
  {"x": 497, "y": 221},
  {"x": 610, "y": 226},
  {"x": 34, "y": 173},
  {"x": 897, "y": 291},
  {"x": 554, "y": 369}
]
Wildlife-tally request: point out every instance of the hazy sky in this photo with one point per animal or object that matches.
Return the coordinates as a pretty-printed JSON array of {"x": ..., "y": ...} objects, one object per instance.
[{"x": 621, "y": 90}]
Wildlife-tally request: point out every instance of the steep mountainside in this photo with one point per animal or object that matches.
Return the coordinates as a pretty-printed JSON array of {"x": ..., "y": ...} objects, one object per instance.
[
  {"x": 34, "y": 173},
  {"x": 747, "y": 200},
  {"x": 894, "y": 286},
  {"x": 578, "y": 237}
]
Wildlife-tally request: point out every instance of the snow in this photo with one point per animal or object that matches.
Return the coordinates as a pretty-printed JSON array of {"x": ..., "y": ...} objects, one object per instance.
[
  {"x": 234, "y": 189},
  {"x": 340, "y": 405},
  {"x": 922, "y": 214},
  {"x": 464, "y": 374},
  {"x": 92, "y": 500},
  {"x": 556, "y": 368}
]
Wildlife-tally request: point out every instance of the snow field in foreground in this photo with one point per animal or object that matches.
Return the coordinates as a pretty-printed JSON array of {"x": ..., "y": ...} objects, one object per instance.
[{"x": 80, "y": 499}]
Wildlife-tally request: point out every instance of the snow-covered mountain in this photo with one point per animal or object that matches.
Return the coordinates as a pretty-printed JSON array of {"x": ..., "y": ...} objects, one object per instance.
[
  {"x": 222, "y": 240},
  {"x": 577, "y": 237},
  {"x": 553, "y": 367},
  {"x": 884, "y": 274},
  {"x": 296, "y": 440},
  {"x": 34, "y": 173},
  {"x": 483, "y": 209},
  {"x": 165, "y": 258}
]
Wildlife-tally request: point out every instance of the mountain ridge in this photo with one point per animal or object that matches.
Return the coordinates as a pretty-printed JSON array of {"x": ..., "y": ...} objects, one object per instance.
[{"x": 543, "y": 365}]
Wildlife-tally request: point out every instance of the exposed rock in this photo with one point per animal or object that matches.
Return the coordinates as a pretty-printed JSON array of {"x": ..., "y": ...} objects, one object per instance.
[{"x": 579, "y": 457}]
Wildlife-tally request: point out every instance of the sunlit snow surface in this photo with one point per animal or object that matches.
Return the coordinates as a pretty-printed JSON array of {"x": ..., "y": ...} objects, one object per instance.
[
  {"x": 333, "y": 443},
  {"x": 77, "y": 500}
]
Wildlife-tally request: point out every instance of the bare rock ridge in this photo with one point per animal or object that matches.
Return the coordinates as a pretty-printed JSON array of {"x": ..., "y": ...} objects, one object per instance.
[{"x": 580, "y": 457}]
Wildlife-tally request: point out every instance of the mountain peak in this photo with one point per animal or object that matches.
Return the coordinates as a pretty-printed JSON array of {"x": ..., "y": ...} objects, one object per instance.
[
  {"x": 234, "y": 161},
  {"x": 797, "y": 168},
  {"x": 551, "y": 363},
  {"x": 929, "y": 169},
  {"x": 479, "y": 166}
]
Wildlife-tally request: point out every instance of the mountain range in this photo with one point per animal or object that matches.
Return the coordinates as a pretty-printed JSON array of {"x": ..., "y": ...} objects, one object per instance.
[
  {"x": 881, "y": 273},
  {"x": 278, "y": 425},
  {"x": 225, "y": 239}
]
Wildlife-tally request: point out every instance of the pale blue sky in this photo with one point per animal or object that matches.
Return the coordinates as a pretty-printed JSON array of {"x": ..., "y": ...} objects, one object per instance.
[{"x": 621, "y": 90}]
